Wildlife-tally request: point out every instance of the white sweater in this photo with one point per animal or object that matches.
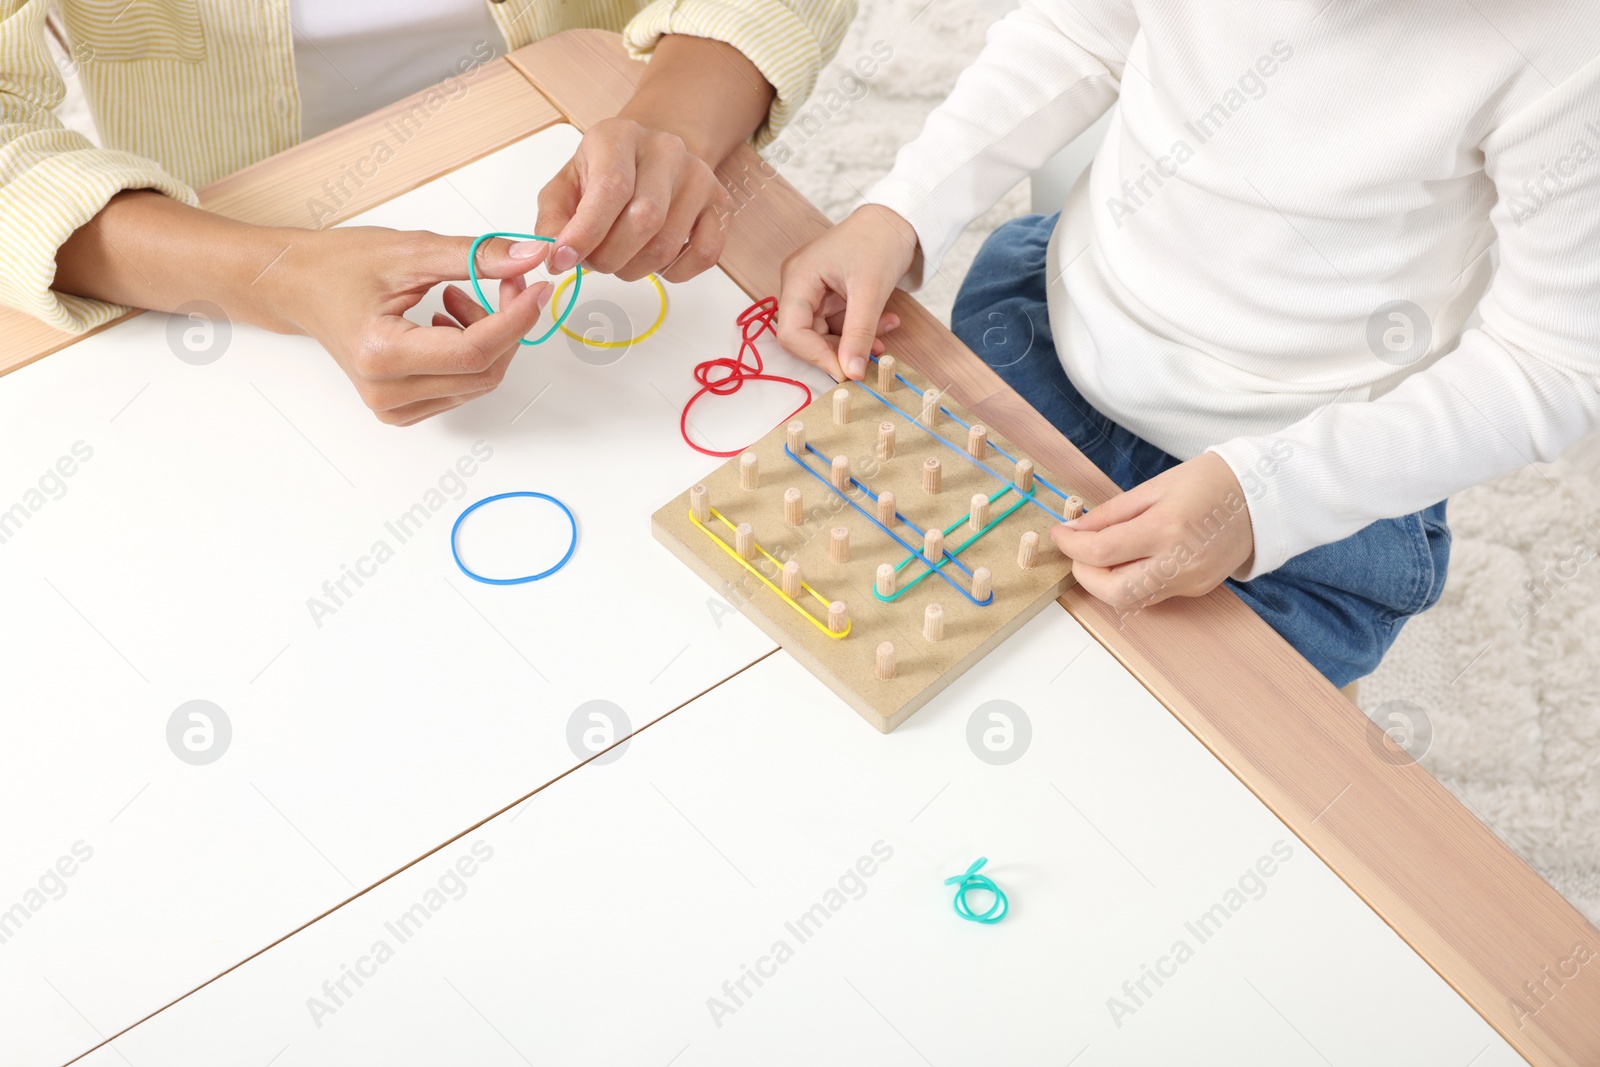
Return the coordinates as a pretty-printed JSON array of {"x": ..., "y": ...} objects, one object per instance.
[{"x": 1277, "y": 175}]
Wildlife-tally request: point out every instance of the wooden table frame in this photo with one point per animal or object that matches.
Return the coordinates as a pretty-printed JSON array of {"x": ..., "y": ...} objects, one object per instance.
[{"x": 1432, "y": 871}]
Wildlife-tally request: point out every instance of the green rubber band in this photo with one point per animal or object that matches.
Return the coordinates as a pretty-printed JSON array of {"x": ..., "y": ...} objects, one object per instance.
[
  {"x": 472, "y": 272},
  {"x": 972, "y": 880},
  {"x": 962, "y": 547}
]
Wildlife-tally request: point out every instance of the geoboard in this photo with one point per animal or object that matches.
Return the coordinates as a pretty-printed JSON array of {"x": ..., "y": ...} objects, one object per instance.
[{"x": 883, "y": 536}]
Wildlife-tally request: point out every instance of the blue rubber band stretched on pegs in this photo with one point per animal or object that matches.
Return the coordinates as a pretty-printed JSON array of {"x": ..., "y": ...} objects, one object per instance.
[
  {"x": 562, "y": 562},
  {"x": 972, "y": 880},
  {"x": 472, "y": 272}
]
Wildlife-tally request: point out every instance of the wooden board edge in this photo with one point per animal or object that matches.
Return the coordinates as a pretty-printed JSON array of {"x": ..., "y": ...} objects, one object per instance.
[{"x": 1515, "y": 925}]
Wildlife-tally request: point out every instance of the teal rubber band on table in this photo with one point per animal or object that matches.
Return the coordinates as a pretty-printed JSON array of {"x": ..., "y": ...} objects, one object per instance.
[
  {"x": 477, "y": 288},
  {"x": 972, "y": 880}
]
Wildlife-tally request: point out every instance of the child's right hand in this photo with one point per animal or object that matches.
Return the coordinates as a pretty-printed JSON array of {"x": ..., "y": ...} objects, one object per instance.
[{"x": 830, "y": 309}]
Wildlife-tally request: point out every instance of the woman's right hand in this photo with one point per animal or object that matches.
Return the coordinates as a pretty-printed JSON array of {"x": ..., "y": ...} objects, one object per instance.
[
  {"x": 830, "y": 309},
  {"x": 349, "y": 288}
]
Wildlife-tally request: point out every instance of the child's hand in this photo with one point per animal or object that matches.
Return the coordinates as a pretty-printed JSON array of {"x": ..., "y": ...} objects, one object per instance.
[
  {"x": 830, "y": 310},
  {"x": 1179, "y": 534}
]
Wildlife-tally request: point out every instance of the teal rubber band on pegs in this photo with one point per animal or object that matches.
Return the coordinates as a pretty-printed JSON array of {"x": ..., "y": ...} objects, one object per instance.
[
  {"x": 472, "y": 273},
  {"x": 972, "y": 880}
]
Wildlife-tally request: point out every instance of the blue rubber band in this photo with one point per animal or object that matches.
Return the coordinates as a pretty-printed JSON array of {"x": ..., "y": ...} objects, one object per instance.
[
  {"x": 972, "y": 880},
  {"x": 562, "y": 562},
  {"x": 472, "y": 273}
]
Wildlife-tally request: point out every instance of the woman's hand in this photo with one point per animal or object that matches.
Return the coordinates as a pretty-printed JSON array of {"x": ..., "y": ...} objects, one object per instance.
[
  {"x": 1182, "y": 533},
  {"x": 350, "y": 288},
  {"x": 830, "y": 309},
  {"x": 633, "y": 201}
]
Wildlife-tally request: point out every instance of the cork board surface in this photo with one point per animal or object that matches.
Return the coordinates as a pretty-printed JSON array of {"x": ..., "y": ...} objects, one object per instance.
[{"x": 847, "y": 665}]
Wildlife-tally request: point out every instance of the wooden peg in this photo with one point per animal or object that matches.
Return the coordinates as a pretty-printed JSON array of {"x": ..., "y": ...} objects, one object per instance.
[
  {"x": 930, "y": 408},
  {"x": 982, "y": 583},
  {"x": 930, "y": 476},
  {"x": 838, "y": 616},
  {"x": 885, "y": 440},
  {"x": 839, "y": 544},
  {"x": 1028, "y": 550},
  {"x": 1024, "y": 475},
  {"x": 791, "y": 579},
  {"x": 884, "y": 666},
  {"x": 841, "y": 473},
  {"x": 886, "y": 509},
  {"x": 977, "y": 441},
  {"x": 700, "y": 503},
  {"x": 933, "y": 545},
  {"x": 933, "y": 622},
  {"x": 886, "y": 579},
  {"x": 886, "y": 378},
  {"x": 794, "y": 507},
  {"x": 744, "y": 540},
  {"x": 979, "y": 516},
  {"x": 749, "y": 471},
  {"x": 797, "y": 437},
  {"x": 841, "y": 406},
  {"x": 1073, "y": 508}
]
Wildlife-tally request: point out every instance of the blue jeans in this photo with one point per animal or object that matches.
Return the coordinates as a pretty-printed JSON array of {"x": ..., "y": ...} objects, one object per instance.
[{"x": 1341, "y": 605}]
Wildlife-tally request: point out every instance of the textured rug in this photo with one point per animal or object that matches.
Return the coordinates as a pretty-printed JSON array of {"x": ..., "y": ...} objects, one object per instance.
[{"x": 1497, "y": 689}]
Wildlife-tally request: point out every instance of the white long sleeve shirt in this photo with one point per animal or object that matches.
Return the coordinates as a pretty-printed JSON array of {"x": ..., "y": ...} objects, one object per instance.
[{"x": 1277, "y": 176}]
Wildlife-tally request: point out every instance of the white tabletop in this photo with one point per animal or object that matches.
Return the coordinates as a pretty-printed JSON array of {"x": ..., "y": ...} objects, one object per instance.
[{"x": 598, "y": 923}]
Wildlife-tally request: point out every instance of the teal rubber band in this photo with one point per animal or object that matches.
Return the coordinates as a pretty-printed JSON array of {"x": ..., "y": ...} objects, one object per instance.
[
  {"x": 972, "y": 880},
  {"x": 472, "y": 272}
]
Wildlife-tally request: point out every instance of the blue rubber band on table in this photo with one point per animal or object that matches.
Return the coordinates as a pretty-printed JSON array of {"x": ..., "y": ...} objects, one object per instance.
[
  {"x": 562, "y": 562},
  {"x": 472, "y": 273}
]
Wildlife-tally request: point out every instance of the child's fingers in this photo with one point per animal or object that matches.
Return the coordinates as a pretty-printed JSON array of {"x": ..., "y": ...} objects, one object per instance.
[
  {"x": 863, "y": 310},
  {"x": 799, "y": 322},
  {"x": 1121, "y": 543},
  {"x": 1120, "y": 508}
]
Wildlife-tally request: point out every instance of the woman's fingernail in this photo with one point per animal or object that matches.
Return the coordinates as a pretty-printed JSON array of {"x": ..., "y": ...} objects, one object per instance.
[
  {"x": 526, "y": 249},
  {"x": 564, "y": 259},
  {"x": 858, "y": 367},
  {"x": 541, "y": 291}
]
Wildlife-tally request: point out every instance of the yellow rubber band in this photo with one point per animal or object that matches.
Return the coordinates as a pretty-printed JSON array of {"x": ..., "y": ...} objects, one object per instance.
[
  {"x": 555, "y": 299},
  {"x": 787, "y": 599}
]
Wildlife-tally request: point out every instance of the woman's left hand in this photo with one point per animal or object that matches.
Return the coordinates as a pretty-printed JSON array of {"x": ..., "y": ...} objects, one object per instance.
[
  {"x": 632, "y": 201},
  {"x": 1182, "y": 533}
]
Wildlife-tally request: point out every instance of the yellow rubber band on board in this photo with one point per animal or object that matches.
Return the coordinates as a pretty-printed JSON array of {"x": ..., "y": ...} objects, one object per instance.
[
  {"x": 555, "y": 300},
  {"x": 785, "y": 597}
]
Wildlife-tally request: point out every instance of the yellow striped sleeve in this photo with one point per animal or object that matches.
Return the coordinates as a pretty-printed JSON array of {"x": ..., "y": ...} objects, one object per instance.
[
  {"x": 52, "y": 180},
  {"x": 789, "y": 41}
]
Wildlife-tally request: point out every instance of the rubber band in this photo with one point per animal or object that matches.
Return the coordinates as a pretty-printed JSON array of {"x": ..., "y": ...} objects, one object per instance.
[
  {"x": 562, "y": 562},
  {"x": 753, "y": 321},
  {"x": 555, "y": 298},
  {"x": 472, "y": 272},
  {"x": 972, "y": 880},
  {"x": 791, "y": 601}
]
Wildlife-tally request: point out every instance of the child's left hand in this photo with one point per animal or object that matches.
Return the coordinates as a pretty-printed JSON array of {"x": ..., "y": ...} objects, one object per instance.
[{"x": 1179, "y": 534}]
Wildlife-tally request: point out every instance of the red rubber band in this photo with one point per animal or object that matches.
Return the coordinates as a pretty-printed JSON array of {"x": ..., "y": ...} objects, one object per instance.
[{"x": 753, "y": 321}]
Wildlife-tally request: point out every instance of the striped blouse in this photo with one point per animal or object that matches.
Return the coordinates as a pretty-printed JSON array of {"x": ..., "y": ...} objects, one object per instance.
[{"x": 186, "y": 91}]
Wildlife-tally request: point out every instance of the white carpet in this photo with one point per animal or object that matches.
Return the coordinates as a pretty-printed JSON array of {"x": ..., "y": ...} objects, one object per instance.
[{"x": 1513, "y": 709}]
